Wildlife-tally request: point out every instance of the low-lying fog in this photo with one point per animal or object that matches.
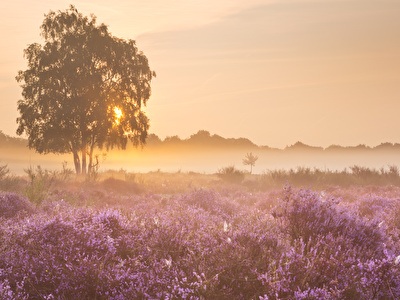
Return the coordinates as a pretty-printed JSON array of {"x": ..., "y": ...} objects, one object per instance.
[{"x": 204, "y": 160}]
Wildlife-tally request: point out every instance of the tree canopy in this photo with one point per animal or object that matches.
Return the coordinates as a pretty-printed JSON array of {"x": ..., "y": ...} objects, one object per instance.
[
  {"x": 83, "y": 89},
  {"x": 250, "y": 160}
]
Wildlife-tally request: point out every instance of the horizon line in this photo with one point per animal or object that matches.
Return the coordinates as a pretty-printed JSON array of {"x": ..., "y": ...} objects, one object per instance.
[{"x": 210, "y": 135}]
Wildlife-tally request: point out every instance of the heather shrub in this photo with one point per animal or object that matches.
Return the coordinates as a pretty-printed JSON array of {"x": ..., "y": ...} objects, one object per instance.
[
  {"x": 12, "y": 205},
  {"x": 6, "y": 292},
  {"x": 210, "y": 201},
  {"x": 391, "y": 222},
  {"x": 181, "y": 231},
  {"x": 203, "y": 245},
  {"x": 66, "y": 257},
  {"x": 247, "y": 248},
  {"x": 206, "y": 199},
  {"x": 176, "y": 243},
  {"x": 307, "y": 215},
  {"x": 334, "y": 253},
  {"x": 375, "y": 206},
  {"x": 378, "y": 278},
  {"x": 304, "y": 272},
  {"x": 81, "y": 253},
  {"x": 120, "y": 186},
  {"x": 330, "y": 269}
]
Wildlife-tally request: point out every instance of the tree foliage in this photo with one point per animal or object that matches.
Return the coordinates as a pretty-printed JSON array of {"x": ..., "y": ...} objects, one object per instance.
[
  {"x": 250, "y": 160},
  {"x": 83, "y": 89}
]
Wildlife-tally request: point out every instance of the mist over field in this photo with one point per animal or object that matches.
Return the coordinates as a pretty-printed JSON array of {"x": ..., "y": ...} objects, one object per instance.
[{"x": 203, "y": 152}]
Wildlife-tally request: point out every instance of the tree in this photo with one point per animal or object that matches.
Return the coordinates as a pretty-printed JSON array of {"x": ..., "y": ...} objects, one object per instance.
[
  {"x": 83, "y": 89},
  {"x": 250, "y": 160}
]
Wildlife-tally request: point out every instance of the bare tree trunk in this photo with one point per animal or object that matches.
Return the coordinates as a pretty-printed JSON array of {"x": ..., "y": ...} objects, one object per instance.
[
  {"x": 77, "y": 162},
  {"x": 90, "y": 167},
  {"x": 84, "y": 159}
]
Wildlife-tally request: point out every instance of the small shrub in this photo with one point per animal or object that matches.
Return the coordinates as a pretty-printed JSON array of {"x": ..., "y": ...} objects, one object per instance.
[
  {"x": 39, "y": 185},
  {"x": 9, "y": 182},
  {"x": 12, "y": 204},
  {"x": 66, "y": 173},
  {"x": 247, "y": 249},
  {"x": 120, "y": 186},
  {"x": 4, "y": 171},
  {"x": 307, "y": 215},
  {"x": 364, "y": 175},
  {"x": 12, "y": 183},
  {"x": 210, "y": 201},
  {"x": 231, "y": 174},
  {"x": 206, "y": 199}
]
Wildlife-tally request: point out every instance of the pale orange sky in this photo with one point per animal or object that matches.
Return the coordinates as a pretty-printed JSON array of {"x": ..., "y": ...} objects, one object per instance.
[{"x": 320, "y": 71}]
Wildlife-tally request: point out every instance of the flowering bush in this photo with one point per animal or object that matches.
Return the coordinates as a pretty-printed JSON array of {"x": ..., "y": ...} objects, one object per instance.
[
  {"x": 12, "y": 204},
  {"x": 201, "y": 245},
  {"x": 308, "y": 216}
]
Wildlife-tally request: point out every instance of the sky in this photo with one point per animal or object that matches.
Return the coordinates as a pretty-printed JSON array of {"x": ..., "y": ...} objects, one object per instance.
[{"x": 323, "y": 72}]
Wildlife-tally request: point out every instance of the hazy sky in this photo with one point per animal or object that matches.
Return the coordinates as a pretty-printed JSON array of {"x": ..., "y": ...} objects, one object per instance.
[{"x": 320, "y": 71}]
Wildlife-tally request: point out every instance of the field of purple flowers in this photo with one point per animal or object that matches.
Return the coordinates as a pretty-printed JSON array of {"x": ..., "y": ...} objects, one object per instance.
[{"x": 201, "y": 243}]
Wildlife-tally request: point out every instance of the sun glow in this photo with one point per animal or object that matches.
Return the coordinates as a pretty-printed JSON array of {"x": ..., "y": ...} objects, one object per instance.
[{"x": 117, "y": 115}]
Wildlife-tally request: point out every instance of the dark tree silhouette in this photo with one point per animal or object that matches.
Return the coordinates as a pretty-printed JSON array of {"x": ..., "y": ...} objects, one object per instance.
[{"x": 83, "y": 89}]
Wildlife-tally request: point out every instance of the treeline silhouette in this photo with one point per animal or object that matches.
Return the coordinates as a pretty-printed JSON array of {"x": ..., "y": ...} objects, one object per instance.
[
  {"x": 204, "y": 138},
  {"x": 7, "y": 141}
]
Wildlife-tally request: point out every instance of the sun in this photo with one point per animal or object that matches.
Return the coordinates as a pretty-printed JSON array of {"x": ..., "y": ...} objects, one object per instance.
[{"x": 117, "y": 115}]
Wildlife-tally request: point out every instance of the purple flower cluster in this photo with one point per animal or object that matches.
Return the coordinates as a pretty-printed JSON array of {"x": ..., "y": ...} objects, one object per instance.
[
  {"x": 12, "y": 205},
  {"x": 203, "y": 245}
]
